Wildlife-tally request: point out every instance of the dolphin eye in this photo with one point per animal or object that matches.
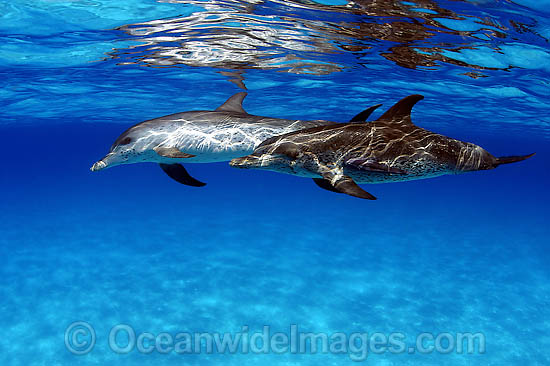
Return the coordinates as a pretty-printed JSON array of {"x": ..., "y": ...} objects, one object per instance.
[
  {"x": 125, "y": 141},
  {"x": 289, "y": 149}
]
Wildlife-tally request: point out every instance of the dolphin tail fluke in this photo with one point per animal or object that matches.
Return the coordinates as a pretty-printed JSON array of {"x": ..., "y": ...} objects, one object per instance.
[
  {"x": 178, "y": 173},
  {"x": 512, "y": 159}
]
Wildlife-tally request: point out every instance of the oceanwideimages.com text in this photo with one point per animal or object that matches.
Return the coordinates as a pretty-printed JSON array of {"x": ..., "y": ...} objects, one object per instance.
[{"x": 80, "y": 339}]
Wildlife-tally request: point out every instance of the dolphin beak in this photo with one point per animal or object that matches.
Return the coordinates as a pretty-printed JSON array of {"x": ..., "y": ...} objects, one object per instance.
[
  {"x": 102, "y": 164},
  {"x": 98, "y": 166},
  {"x": 244, "y": 163}
]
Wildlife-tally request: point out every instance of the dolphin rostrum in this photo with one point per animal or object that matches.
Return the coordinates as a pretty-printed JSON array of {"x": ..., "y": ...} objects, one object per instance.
[
  {"x": 389, "y": 149},
  {"x": 201, "y": 137}
]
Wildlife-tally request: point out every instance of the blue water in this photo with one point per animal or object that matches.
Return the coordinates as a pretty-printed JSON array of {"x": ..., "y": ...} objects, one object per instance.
[{"x": 127, "y": 245}]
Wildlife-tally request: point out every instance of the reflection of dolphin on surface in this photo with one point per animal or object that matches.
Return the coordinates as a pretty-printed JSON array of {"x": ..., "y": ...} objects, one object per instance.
[
  {"x": 389, "y": 149},
  {"x": 302, "y": 36},
  {"x": 201, "y": 137}
]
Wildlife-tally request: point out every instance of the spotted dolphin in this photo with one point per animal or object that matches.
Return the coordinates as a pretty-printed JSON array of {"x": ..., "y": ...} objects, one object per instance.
[
  {"x": 201, "y": 137},
  {"x": 389, "y": 149}
]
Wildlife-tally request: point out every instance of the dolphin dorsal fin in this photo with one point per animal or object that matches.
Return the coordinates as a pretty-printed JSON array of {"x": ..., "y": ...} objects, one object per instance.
[
  {"x": 401, "y": 111},
  {"x": 233, "y": 104},
  {"x": 362, "y": 117}
]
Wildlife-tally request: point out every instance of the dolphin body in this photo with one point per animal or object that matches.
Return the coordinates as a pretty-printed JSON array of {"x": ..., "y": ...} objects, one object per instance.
[
  {"x": 389, "y": 149},
  {"x": 201, "y": 137}
]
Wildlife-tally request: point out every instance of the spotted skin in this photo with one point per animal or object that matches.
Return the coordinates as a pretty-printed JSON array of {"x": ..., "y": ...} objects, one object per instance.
[
  {"x": 208, "y": 135},
  {"x": 390, "y": 149},
  {"x": 200, "y": 136}
]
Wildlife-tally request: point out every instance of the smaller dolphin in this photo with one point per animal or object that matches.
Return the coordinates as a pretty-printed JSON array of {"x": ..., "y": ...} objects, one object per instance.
[
  {"x": 201, "y": 137},
  {"x": 389, "y": 149}
]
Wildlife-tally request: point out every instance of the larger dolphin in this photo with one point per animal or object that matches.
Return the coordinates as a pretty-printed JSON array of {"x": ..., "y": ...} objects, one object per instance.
[
  {"x": 389, "y": 149},
  {"x": 201, "y": 137}
]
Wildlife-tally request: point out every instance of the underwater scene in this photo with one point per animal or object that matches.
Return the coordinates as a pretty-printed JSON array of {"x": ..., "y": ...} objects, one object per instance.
[{"x": 300, "y": 203}]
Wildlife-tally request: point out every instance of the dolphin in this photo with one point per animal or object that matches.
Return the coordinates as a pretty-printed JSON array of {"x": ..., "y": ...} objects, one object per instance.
[
  {"x": 389, "y": 149},
  {"x": 201, "y": 137}
]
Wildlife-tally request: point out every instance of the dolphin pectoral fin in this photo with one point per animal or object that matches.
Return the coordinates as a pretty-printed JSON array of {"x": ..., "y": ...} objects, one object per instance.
[
  {"x": 348, "y": 186},
  {"x": 362, "y": 117},
  {"x": 345, "y": 184},
  {"x": 374, "y": 166},
  {"x": 172, "y": 152},
  {"x": 178, "y": 173},
  {"x": 325, "y": 184}
]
